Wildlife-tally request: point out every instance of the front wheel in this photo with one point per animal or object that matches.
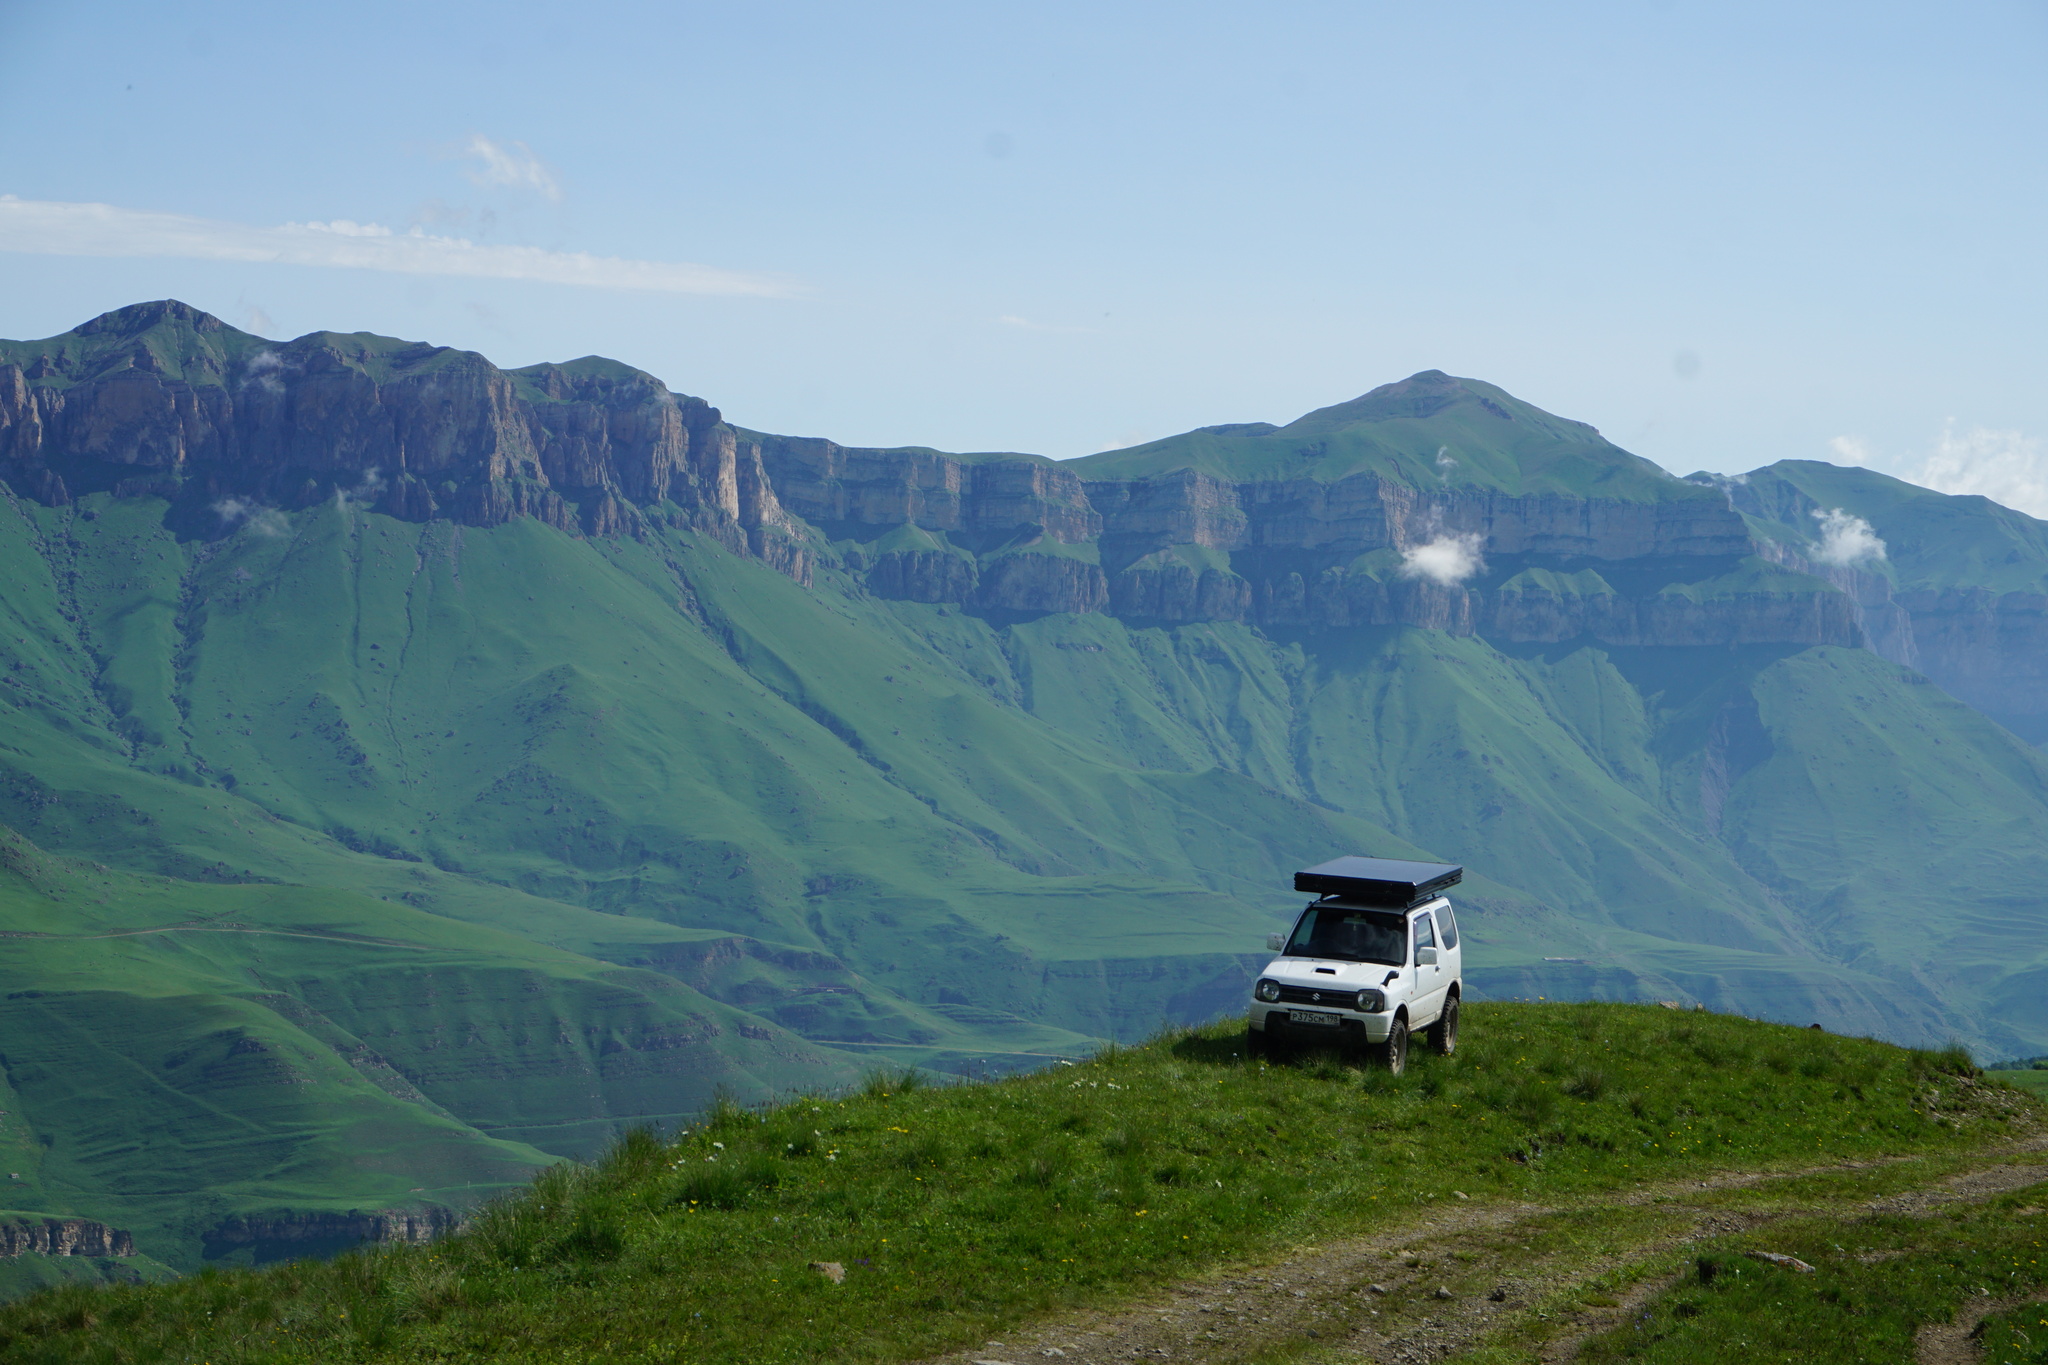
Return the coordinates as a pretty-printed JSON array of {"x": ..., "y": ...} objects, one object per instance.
[
  {"x": 1394, "y": 1052},
  {"x": 1443, "y": 1034}
]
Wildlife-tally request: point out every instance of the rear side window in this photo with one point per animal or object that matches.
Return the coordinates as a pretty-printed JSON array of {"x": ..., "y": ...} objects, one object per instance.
[
  {"x": 1425, "y": 935},
  {"x": 1450, "y": 926}
]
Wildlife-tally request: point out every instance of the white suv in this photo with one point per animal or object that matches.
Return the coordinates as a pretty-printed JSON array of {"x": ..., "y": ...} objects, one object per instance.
[{"x": 1358, "y": 972}]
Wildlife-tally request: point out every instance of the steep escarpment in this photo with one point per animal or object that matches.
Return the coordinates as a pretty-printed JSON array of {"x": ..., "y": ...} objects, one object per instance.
[
  {"x": 22, "y": 1234},
  {"x": 286, "y": 1234},
  {"x": 1316, "y": 525},
  {"x": 163, "y": 400},
  {"x": 1954, "y": 586},
  {"x": 1330, "y": 522}
]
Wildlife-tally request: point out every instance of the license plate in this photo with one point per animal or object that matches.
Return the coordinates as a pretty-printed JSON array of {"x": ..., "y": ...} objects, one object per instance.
[{"x": 1310, "y": 1017}]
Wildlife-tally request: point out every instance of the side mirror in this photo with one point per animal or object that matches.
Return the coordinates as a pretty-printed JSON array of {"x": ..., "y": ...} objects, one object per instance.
[
  {"x": 1425, "y": 957},
  {"x": 1276, "y": 943}
]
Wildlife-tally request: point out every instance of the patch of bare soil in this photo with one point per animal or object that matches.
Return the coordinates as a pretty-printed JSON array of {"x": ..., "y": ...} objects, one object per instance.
[
  {"x": 1956, "y": 1342},
  {"x": 1438, "y": 1284}
]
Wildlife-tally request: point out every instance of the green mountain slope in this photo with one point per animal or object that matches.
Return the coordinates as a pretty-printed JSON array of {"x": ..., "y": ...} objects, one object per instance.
[
  {"x": 1429, "y": 431},
  {"x": 485, "y": 832},
  {"x": 1932, "y": 540}
]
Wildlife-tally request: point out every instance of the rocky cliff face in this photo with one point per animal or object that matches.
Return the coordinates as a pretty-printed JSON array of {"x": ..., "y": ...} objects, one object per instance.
[
  {"x": 1984, "y": 647},
  {"x": 63, "y": 1237},
  {"x": 307, "y": 1234},
  {"x": 1288, "y": 552},
  {"x": 162, "y": 399},
  {"x": 1988, "y": 649}
]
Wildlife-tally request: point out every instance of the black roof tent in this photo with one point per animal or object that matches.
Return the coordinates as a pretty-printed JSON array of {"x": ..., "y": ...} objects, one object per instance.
[{"x": 1379, "y": 881}]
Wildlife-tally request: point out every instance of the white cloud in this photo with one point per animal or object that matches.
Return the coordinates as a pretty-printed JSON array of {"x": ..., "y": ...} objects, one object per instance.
[
  {"x": 264, "y": 521},
  {"x": 512, "y": 164},
  {"x": 1852, "y": 450},
  {"x": 1845, "y": 540},
  {"x": 63, "y": 229},
  {"x": 2004, "y": 466},
  {"x": 1448, "y": 560}
]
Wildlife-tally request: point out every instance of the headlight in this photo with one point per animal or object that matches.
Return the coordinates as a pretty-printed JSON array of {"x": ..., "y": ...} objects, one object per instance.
[
  {"x": 1268, "y": 991},
  {"x": 1371, "y": 1002}
]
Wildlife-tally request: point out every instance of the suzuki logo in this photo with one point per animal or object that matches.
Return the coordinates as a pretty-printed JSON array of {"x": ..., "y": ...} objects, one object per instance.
[{"x": 1317, "y": 996}]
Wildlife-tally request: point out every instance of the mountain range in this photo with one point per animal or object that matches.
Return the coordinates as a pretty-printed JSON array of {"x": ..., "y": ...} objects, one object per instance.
[{"x": 417, "y": 771}]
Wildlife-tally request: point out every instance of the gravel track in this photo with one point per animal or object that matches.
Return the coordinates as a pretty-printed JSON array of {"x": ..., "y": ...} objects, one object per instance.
[{"x": 1431, "y": 1286}]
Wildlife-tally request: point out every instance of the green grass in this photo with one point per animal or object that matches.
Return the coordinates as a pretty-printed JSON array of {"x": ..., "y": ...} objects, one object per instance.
[
  {"x": 2035, "y": 1082},
  {"x": 1876, "y": 1281},
  {"x": 960, "y": 1211},
  {"x": 31, "y": 1271}
]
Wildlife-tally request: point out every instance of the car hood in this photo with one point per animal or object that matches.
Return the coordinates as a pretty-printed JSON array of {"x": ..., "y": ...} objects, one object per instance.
[{"x": 1301, "y": 971}]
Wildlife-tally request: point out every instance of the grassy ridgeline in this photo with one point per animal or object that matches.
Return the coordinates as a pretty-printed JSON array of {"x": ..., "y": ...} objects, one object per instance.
[{"x": 957, "y": 1211}]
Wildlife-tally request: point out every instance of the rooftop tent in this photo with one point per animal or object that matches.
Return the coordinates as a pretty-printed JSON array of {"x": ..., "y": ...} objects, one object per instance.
[{"x": 1379, "y": 881}]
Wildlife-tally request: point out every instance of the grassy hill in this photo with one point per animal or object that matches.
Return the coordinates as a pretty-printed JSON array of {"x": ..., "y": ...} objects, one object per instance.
[
  {"x": 1430, "y": 430},
  {"x": 960, "y": 1213}
]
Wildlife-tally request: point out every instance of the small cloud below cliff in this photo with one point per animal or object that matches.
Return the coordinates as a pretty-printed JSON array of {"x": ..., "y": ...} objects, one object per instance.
[
  {"x": 263, "y": 521},
  {"x": 1845, "y": 540},
  {"x": 1448, "y": 560}
]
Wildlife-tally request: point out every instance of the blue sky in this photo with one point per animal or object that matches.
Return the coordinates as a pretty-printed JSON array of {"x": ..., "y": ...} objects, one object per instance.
[{"x": 1724, "y": 233}]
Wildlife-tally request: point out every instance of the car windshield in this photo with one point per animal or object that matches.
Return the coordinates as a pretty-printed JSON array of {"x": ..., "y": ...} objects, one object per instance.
[{"x": 1351, "y": 935}]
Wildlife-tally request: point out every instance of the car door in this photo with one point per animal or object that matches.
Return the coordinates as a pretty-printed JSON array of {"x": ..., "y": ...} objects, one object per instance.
[
  {"x": 1451, "y": 954},
  {"x": 1431, "y": 981}
]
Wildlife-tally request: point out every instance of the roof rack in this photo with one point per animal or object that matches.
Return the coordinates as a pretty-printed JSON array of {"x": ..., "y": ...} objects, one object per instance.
[{"x": 1379, "y": 881}]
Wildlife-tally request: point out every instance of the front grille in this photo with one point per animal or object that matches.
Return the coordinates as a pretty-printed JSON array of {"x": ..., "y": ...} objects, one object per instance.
[{"x": 1329, "y": 997}]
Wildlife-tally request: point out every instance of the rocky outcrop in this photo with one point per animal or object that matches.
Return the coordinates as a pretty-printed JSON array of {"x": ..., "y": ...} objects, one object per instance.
[
  {"x": 165, "y": 400},
  {"x": 161, "y": 399},
  {"x": 1534, "y": 614},
  {"x": 1293, "y": 549},
  {"x": 1345, "y": 518},
  {"x": 62, "y": 1237},
  {"x": 1028, "y": 582},
  {"x": 983, "y": 500},
  {"x": 1986, "y": 648},
  {"x": 923, "y": 576},
  {"x": 310, "y": 1234}
]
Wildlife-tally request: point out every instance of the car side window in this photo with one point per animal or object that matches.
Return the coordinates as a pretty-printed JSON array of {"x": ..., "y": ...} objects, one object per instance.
[
  {"x": 1425, "y": 933},
  {"x": 1450, "y": 926}
]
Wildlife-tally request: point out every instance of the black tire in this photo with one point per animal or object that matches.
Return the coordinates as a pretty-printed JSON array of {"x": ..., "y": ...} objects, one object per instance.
[
  {"x": 1254, "y": 1044},
  {"x": 1443, "y": 1034},
  {"x": 1394, "y": 1052}
]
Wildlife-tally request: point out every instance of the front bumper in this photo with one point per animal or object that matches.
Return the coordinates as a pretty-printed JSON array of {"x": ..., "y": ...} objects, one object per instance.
[{"x": 1351, "y": 1030}]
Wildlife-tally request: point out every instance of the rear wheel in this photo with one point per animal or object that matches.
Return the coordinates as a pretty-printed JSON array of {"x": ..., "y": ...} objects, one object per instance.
[
  {"x": 1394, "y": 1052},
  {"x": 1443, "y": 1034}
]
